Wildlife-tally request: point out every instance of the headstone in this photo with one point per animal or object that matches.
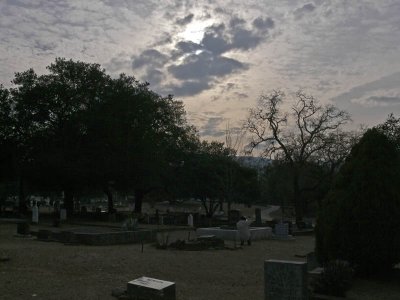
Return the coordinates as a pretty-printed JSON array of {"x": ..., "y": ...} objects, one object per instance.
[
  {"x": 35, "y": 214},
  {"x": 63, "y": 214},
  {"x": 258, "y": 216},
  {"x": 145, "y": 288},
  {"x": 282, "y": 229},
  {"x": 285, "y": 280},
  {"x": 190, "y": 220}
]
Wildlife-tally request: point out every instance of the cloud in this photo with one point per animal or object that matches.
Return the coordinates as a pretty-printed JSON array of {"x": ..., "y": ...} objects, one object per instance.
[
  {"x": 154, "y": 77},
  {"x": 184, "y": 47},
  {"x": 383, "y": 101},
  {"x": 184, "y": 21},
  {"x": 205, "y": 64},
  {"x": 263, "y": 23},
  {"x": 44, "y": 46},
  {"x": 215, "y": 43},
  {"x": 301, "y": 11},
  {"x": 238, "y": 35},
  {"x": 211, "y": 128},
  {"x": 150, "y": 57},
  {"x": 196, "y": 67},
  {"x": 389, "y": 82},
  {"x": 188, "y": 87}
]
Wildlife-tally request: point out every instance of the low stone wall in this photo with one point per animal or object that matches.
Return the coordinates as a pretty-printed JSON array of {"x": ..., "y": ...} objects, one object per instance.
[
  {"x": 97, "y": 238},
  {"x": 257, "y": 233}
]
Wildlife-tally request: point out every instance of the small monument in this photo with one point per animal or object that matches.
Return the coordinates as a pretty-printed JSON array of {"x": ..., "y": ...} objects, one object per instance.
[
  {"x": 151, "y": 289},
  {"x": 35, "y": 214},
  {"x": 285, "y": 280},
  {"x": 281, "y": 229},
  {"x": 63, "y": 214},
  {"x": 190, "y": 220}
]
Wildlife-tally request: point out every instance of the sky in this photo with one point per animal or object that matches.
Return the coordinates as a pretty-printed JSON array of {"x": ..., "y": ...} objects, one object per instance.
[{"x": 218, "y": 56}]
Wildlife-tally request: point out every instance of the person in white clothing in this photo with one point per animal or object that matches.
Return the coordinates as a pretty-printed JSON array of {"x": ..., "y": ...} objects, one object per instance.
[{"x": 243, "y": 227}]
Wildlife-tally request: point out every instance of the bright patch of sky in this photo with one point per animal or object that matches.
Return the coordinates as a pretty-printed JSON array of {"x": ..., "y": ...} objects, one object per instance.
[{"x": 194, "y": 32}]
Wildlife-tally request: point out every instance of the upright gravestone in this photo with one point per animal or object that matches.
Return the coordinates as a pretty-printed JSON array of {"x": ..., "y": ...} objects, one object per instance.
[
  {"x": 258, "y": 216},
  {"x": 63, "y": 214},
  {"x": 282, "y": 229},
  {"x": 190, "y": 220},
  {"x": 35, "y": 214},
  {"x": 285, "y": 280},
  {"x": 145, "y": 288}
]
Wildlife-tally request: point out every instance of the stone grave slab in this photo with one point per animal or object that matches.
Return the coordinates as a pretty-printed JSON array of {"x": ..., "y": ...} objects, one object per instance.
[
  {"x": 285, "y": 280},
  {"x": 146, "y": 288}
]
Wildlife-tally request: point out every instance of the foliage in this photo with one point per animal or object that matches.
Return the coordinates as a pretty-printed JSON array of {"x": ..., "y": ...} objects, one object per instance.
[
  {"x": 310, "y": 133},
  {"x": 335, "y": 279},
  {"x": 358, "y": 220},
  {"x": 76, "y": 127},
  {"x": 391, "y": 128}
]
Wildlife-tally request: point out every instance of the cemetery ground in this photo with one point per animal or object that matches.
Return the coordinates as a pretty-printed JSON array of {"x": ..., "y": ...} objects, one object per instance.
[{"x": 52, "y": 270}]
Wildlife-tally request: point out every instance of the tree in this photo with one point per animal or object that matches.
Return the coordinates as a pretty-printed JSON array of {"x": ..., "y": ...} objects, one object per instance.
[
  {"x": 304, "y": 135},
  {"x": 77, "y": 128},
  {"x": 49, "y": 112},
  {"x": 391, "y": 128},
  {"x": 359, "y": 219},
  {"x": 204, "y": 174}
]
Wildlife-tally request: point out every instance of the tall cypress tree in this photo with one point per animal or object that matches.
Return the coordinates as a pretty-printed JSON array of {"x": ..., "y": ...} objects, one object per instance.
[{"x": 359, "y": 220}]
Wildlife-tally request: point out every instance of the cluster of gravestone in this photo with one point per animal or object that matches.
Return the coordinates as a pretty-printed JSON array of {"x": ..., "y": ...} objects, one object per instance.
[{"x": 283, "y": 280}]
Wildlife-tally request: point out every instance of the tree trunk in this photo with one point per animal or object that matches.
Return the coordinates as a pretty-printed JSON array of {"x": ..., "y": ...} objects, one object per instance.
[
  {"x": 110, "y": 199},
  {"x": 139, "y": 195},
  {"x": 69, "y": 202},
  {"x": 298, "y": 205},
  {"x": 22, "y": 209}
]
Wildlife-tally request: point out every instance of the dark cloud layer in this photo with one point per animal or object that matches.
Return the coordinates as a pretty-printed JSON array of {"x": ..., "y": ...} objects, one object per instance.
[
  {"x": 389, "y": 82},
  {"x": 205, "y": 61},
  {"x": 384, "y": 100},
  {"x": 211, "y": 128},
  {"x": 220, "y": 38},
  {"x": 301, "y": 11},
  {"x": 197, "y": 66},
  {"x": 204, "y": 65},
  {"x": 150, "y": 57},
  {"x": 184, "y": 21}
]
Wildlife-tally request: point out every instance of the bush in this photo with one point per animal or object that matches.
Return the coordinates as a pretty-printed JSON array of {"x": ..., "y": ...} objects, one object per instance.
[
  {"x": 359, "y": 219},
  {"x": 335, "y": 280}
]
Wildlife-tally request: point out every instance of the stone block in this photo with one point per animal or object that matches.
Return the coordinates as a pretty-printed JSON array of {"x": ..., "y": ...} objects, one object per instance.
[
  {"x": 285, "y": 280},
  {"x": 146, "y": 288},
  {"x": 282, "y": 229}
]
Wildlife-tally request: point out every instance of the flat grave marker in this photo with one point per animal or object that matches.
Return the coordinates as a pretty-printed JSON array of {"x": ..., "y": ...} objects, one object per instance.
[
  {"x": 151, "y": 289},
  {"x": 285, "y": 280}
]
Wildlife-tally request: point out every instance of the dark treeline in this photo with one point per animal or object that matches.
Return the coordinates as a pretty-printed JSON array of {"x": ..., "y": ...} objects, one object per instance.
[{"x": 76, "y": 128}]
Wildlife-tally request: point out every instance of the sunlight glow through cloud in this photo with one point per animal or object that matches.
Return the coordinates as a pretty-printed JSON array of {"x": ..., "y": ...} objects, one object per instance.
[{"x": 194, "y": 31}]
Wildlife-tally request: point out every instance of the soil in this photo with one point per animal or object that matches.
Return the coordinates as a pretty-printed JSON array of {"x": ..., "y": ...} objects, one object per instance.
[{"x": 52, "y": 270}]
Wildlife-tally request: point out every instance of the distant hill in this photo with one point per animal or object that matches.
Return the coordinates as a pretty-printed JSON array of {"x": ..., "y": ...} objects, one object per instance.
[{"x": 253, "y": 162}]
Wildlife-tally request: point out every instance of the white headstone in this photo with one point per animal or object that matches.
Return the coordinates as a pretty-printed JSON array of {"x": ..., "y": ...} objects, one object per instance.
[
  {"x": 190, "y": 220},
  {"x": 63, "y": 214},
  {"x": 35, "y": 214}
]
